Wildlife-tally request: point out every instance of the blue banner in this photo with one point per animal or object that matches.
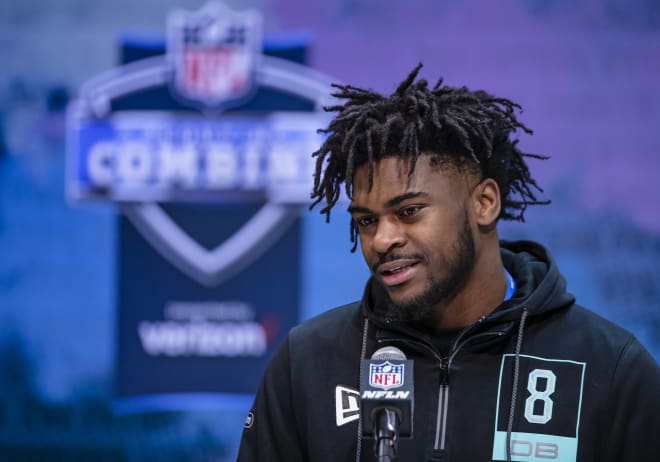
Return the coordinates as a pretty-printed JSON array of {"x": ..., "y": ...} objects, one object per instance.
[{"x": 205, "y": 146}]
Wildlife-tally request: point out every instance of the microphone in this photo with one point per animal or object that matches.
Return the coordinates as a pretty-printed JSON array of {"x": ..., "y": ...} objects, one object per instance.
[{"x": 386, "y": 392}]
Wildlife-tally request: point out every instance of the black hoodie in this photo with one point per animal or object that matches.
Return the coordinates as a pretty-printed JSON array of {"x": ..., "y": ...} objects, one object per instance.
[{"x": 553, "y": 379}]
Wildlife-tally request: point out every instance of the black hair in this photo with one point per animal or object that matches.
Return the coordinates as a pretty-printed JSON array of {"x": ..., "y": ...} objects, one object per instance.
[{"x": 471, "y": 129}]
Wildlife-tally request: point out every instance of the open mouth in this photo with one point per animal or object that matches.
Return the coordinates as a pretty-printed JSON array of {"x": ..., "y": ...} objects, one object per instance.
[
  {"x": 397, "y": 272},
  {"x": 397, "y": 269}
]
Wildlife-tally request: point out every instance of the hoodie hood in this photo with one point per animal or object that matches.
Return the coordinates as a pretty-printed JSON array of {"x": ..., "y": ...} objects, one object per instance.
[{"x": 540, "y": 286}]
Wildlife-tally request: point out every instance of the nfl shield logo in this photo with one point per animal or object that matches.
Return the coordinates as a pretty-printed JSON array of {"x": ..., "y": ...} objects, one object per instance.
[
  {"x": 213, "y": 55},
  {"x": 386, "y": 375}
]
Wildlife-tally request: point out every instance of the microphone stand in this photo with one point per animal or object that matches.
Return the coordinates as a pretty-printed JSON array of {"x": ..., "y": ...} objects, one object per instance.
[{"x": 386, "y": 434}]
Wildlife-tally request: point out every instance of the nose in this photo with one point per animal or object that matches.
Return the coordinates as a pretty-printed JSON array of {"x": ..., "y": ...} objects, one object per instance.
[{"x": 389, "y": 234}]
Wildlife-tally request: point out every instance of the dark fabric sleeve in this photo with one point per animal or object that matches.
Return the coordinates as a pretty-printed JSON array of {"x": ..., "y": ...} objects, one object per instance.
[
  {"x": 271, "y": 433},
  {"x": 635, "y": 407}
]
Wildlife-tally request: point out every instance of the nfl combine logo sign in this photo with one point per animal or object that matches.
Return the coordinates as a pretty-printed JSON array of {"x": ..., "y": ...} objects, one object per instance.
[
  {"x": 212, "y": 191},
  {"x": 386, "y": 375},
  {"x": 213, "y": 55}
]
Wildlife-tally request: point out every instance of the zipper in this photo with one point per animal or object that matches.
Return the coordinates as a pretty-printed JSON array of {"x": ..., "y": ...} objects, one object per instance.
[
  {"x": 443, "y": 393},
  {"x": 443, "y": 400}
]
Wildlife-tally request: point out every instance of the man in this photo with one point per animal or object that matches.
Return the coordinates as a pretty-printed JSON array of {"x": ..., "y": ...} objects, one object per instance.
[{"x": 506, "y": 365}]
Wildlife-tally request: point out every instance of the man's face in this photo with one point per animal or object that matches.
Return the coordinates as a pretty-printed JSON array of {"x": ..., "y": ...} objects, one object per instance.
[{"x": 415, "y": 232}]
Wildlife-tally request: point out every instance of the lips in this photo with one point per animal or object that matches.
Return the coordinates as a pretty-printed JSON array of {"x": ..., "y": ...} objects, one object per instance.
[{"x": 397, "y": 272}]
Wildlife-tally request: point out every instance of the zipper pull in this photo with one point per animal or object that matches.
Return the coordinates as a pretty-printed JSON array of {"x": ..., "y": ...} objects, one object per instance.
[{"x": 444, "y": 373}]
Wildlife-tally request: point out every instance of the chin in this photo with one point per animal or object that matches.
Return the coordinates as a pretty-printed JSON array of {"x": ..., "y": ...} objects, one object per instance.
[
  {"x": 410, "y": 308},
  {"x": 403, "y": 300}
]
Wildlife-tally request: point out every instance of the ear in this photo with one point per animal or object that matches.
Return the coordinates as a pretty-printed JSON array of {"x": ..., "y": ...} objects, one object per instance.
[{"x": 486, "y": 200}]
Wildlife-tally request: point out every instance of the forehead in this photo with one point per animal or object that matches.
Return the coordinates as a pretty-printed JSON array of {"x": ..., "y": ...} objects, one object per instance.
[{"x": 391, "y": 177}]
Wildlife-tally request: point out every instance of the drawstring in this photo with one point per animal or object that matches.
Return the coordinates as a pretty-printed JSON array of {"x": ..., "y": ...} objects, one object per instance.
[
  {"x": 363, "y": 352},
  {"x": 514, "y": 393}
]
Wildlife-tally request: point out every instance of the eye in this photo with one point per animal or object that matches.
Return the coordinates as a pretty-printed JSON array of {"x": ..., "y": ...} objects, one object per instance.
[
  {"x": 363, "y": 222},
  {"x": 410, "y": 211}
]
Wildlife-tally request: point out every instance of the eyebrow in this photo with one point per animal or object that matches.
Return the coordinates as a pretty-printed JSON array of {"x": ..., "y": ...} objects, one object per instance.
[{"x": 390, "y": 203}]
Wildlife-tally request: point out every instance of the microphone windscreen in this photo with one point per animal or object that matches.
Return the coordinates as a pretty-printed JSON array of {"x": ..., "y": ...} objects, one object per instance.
[{"x": 388, "y": 353}]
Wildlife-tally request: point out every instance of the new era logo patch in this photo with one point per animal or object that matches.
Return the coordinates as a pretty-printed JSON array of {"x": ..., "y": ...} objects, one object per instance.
[{"x": 347, "y": 405}]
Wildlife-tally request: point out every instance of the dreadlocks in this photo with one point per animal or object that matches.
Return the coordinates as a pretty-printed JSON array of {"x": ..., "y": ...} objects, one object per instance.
[{"x": 469, "y": 128}]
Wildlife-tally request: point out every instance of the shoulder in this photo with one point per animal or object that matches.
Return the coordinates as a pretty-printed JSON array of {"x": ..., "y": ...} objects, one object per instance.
[
  {"x": 328, "y": 325},
  {"x": 590, "y": 336},
  {"x": 596, "y": 325},
  {"x": 335, "y": 335},
  {"x": 323, "y": 336}
]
